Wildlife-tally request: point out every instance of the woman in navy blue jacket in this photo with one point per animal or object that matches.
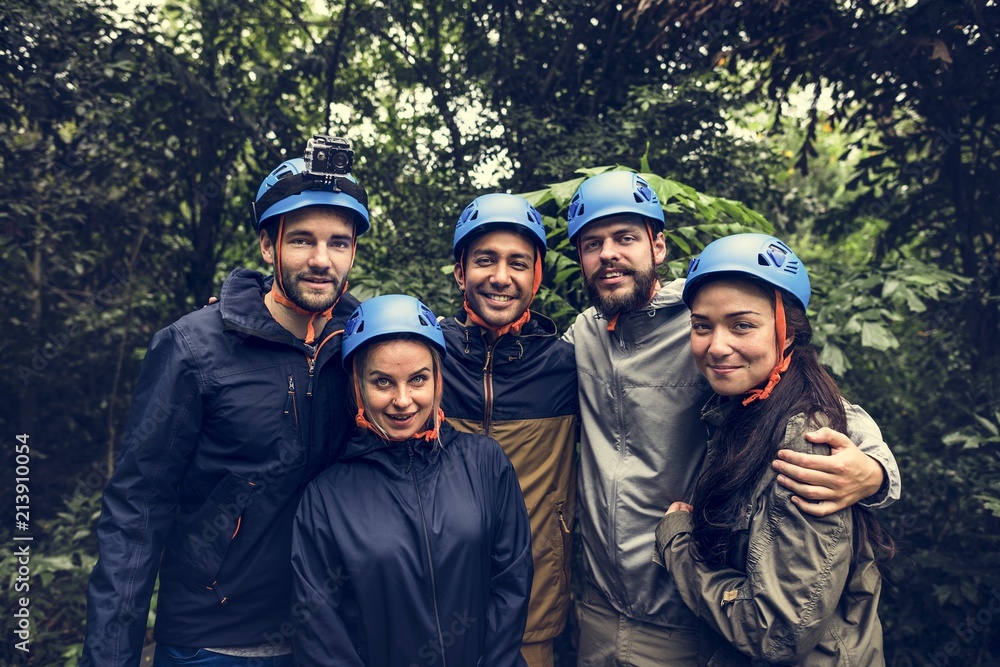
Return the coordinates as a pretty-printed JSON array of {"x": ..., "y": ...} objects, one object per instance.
[{"x": 414, "y": 548}]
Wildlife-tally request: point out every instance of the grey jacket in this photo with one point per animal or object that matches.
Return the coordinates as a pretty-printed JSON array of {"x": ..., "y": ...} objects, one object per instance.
[
  {"x": 642, "y": 444},
  {"x": 791, "y": 596}
]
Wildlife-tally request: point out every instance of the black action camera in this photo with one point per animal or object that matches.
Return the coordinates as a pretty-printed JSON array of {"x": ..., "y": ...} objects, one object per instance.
[{"x": 332, "y": 156}]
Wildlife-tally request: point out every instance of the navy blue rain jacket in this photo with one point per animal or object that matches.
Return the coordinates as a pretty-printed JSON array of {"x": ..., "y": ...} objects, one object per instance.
[
  {"x": 230, "y": 420},
  {"x": 407, "y": 553}
]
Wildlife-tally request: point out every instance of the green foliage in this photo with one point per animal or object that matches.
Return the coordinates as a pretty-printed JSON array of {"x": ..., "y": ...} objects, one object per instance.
[
  {"x": 694, "y": 220},
  {"x": 862, "y": 304},
  {"x": 865, "y": 133}
]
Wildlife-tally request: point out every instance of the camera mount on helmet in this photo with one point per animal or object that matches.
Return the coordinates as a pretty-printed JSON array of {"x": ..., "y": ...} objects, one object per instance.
[
  {"x": 325, "y": 169},
  {"x": 328, "y": 155}
]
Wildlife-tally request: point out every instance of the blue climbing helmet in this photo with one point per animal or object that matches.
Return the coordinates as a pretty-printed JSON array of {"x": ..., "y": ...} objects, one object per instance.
[
  {"x": 386, "y": 317},
  {"x": 499, "y": 210},
  {"x": 613, "y": 193},
  {"x": 322, "y": 178},
  {"x": 760, "y": 256}
]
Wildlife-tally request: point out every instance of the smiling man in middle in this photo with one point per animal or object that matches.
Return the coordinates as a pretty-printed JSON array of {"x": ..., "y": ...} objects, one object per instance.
[{"x": 509, "y": 376}]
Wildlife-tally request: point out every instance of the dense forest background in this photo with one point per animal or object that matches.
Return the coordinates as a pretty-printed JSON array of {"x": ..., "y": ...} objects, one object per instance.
[{"x": 865, "y": 133}]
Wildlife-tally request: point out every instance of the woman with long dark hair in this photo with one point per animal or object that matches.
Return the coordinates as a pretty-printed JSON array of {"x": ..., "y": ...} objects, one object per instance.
[
  {"x": 768, "y": 581},
  {"x": 414, "y": 547}
]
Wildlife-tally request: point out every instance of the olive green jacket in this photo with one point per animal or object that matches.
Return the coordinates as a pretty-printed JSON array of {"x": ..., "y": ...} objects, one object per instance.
[{"x": 794, "y": 597}]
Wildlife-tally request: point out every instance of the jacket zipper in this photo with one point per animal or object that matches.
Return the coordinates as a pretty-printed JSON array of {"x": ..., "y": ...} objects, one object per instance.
[
  {"x": 619, "y": 337},
  {"x": 430, "y": 561},
  {"x": 488, "y": 391},
  {"x": 292, "y": 405},
  {"x": 562, "y": 518},
  {"x": 312, "y": 371},
  {"x": 311, "y": 362}
]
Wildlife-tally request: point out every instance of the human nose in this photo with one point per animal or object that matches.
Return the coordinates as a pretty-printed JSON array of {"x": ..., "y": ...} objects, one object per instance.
[
  {"x": 319, "y": 258},
  {"x": 501, "y": 274},
  {"x": 609, "y": 250},
  {"x": 402, "y": 398},
  {"x": 719, "y": 345}
]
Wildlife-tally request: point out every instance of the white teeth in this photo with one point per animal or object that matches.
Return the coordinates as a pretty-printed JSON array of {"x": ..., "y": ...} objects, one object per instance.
[
  {"x": 616, "y": 274},
  {"x": 500, "y": 297}
]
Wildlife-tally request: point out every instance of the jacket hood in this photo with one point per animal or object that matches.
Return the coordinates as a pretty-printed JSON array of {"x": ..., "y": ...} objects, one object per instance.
[
  {"x": 242, "y": 303},
  {"x": 365, "y": 444},
  {"x": 668, "y": 295},
  {"x": 243, "y": 310}
]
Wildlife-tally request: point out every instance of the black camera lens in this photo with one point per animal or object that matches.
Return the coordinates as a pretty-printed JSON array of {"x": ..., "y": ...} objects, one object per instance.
[{"x": 340, "y": 161}]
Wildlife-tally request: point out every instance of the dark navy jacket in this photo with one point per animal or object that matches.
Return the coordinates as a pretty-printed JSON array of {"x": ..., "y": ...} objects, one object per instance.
[
  {"x": 230, "y": 420},
  {"x": 407, "y": 553}
]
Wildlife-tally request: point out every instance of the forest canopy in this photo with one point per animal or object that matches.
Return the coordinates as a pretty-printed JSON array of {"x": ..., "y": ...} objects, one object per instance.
[{"x": 864, "y": 133}]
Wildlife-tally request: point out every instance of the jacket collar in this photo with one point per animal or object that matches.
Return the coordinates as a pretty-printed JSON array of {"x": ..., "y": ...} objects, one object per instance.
[
  {"x": 401, "y": 454},
  {"x": 241, "y": 304},
  {"x": 717, "y": 410},
  {"x": 668, "y": 296},
  {"x": 470, "y": 339}
]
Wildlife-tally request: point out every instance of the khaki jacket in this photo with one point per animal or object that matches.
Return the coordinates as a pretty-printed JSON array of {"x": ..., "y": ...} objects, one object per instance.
[{"x": 794, "y": 597}]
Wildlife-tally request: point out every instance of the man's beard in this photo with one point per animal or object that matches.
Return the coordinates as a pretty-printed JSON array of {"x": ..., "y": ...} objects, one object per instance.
[
  {"x": 312, "y": 303},
  {"x": 622, "y": 301}
]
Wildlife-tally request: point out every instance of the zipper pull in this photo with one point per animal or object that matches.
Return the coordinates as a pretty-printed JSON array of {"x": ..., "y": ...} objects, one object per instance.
[
  {"x": 312, "y": 369},
  {"x": 291, "y": 392},
  {"x": 562, "y": 520}
]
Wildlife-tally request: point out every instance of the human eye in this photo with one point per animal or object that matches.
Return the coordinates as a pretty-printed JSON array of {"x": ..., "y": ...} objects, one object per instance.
[
  {"x": 380, "y": 383},
  {"x": 419, "y": 378},
  {"x": 743, "y": 326},
  {"x": 699, "y": 327}
]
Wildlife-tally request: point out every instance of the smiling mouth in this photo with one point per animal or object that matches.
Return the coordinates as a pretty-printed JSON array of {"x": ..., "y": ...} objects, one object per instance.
[
  {"x": 501, "y": 298},
  {"x": 316, "y": 280},
  {"x": 614, "y": 274},
  {"x": 402, "y": 418}
]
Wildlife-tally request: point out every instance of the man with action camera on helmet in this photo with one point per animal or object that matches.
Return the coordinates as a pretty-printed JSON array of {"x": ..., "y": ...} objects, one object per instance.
[{"x": 237, "y": 407}]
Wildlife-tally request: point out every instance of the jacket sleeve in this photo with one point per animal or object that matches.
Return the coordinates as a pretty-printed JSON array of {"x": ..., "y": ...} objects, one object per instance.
[
  {"x": 140, "y": 499},
  {"x": 797, "y": 567},
  {"x": 321, "y": 636},
  {"x": 512, "y": 569},
  {"x": 864, "y": 432}
]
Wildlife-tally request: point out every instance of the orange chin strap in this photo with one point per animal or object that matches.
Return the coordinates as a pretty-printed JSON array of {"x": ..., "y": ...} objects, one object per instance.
[
  {"x": 783, "y": 361},
  {"x": 525, "y": 317},
  {"x": 362, "y": 422},
  {"x": 279, "y": 295}
]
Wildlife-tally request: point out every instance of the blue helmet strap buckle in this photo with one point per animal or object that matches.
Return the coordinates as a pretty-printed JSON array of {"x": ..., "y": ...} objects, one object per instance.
[{"x": 298, "y": 183}]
